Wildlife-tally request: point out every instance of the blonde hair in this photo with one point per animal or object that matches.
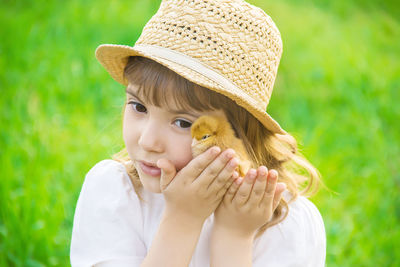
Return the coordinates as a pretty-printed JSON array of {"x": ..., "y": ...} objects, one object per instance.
[{"x": 275, "y": 151}]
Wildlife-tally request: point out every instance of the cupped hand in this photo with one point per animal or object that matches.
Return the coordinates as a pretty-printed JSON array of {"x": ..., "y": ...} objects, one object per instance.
[
  {"x": 250, "y": 202},
  {"x": 198, "y": 188}
]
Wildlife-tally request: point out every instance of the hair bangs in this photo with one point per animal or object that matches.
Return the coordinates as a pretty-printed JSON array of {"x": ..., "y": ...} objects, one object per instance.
[{"x": 158, "y": 85}]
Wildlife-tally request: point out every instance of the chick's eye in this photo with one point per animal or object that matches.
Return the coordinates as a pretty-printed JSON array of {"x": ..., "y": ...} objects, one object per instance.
[
  {"x": 205, "y": 136},
  {"x": 138, "y": 107},
  {"x": 183, "y": 123}
]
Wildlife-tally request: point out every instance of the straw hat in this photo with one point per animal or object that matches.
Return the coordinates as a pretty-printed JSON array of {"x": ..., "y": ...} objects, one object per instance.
[{"x": 230, "y": 47}]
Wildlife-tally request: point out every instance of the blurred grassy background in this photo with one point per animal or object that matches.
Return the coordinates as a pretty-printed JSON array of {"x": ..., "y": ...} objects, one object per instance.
[{"x": 337, "y": 91}]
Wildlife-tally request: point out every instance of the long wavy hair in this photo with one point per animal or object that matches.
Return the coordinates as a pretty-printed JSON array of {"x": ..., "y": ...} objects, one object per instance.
[{"x": 275, "y": 151}]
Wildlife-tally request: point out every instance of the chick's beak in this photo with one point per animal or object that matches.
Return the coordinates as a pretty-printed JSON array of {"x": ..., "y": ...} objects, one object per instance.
[{"x": 194, "y": 142}]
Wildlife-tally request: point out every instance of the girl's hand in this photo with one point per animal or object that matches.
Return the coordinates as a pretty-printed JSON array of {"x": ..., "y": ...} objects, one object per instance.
[
  {"x": 249, "y": 203},
  {"x": 197, "y": 189}
]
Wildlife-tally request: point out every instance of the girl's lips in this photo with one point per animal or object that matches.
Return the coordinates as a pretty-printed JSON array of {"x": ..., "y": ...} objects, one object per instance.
[{"x": 150, "y": 170}]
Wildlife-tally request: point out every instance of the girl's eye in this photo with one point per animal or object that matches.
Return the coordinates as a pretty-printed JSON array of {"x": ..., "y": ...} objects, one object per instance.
[
  {"x": 183, "y": 123},
  {"x": 138, "y": 107}
]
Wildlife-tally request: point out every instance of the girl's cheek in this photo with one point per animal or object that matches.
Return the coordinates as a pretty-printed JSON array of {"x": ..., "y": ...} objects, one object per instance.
[
  {"x": 129, "y": 134},
  {"x": 181, "y": 164},
  {"x": 185, "y": 153},
  {"x": 125, "y": 133}
]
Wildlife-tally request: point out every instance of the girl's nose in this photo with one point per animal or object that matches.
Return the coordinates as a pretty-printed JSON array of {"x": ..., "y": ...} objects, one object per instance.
[{"x": 151, "y": 138}]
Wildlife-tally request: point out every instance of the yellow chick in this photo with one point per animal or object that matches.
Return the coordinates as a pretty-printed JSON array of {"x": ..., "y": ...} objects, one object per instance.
[{"x": 208, "y": 131}]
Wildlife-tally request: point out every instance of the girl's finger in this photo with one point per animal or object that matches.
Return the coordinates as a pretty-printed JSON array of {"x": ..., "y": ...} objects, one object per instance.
[
  {"x": 197, "y": 165},
  {"x": 227, "y": 185},
  {"x": 260, "y": 184},
  {"x": 233, "y": 187},
  {"x": 270, "y": 191},
  {"x": 244, "y": 191},
  {"x": 280, "y": 188},
  {"x": 224, "y": 178},
  {"x": 213, "y": 178},
  {"x": 168, "y": 172}
]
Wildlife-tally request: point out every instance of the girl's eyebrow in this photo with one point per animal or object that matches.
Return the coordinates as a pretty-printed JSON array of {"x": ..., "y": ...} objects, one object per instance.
[
  {"x": 173, "y": 111},
  {"x": 133, "y": 94},
  {"x": 182, "y": 111}
]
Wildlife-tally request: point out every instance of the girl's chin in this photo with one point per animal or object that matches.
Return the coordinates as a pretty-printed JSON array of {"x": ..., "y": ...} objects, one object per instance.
[
  {"x": 153, "y": 189},
  {"x": 150, "y": 183}
]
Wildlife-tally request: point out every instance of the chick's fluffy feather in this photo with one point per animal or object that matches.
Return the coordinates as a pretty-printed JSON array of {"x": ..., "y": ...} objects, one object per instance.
[{"x": 208, "y": 131}]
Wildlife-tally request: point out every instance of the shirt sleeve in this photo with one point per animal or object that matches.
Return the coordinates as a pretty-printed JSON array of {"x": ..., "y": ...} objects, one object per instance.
[
  {"x": 299, "y": 240},
  {"x": 108, "y": 220}
]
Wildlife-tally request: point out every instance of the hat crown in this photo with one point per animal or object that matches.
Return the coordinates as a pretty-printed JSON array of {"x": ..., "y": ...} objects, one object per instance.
[{"x": 234, "y": 38}]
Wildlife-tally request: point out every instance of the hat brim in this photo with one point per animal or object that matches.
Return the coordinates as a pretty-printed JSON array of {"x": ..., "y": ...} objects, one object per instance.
[{"x": 115, "y": 57}]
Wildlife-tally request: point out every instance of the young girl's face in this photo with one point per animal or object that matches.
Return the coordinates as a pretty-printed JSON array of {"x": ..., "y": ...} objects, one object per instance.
[{"x": 151, "y": 133}]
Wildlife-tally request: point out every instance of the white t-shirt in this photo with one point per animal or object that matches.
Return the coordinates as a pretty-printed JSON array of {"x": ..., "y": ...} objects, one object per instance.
[{"x": 112, "y": 227}]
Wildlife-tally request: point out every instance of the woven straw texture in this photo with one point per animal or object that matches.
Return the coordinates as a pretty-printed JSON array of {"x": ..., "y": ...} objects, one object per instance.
[{"x": 234, "y": 39}]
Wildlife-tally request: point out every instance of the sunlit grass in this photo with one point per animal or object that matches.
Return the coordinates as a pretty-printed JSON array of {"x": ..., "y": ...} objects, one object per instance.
[{"x": 337, "y": 92}]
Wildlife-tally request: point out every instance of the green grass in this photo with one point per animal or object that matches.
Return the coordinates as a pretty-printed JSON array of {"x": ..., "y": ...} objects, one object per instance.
[{"x": 337, "y": 92}]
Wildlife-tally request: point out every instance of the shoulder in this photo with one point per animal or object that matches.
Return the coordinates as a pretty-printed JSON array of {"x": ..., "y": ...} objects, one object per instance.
[
  {"x": 107, "y": 175},
  {"x": 105, "y": 169},
  {"x": 304, "y": 221},
  {"x": 299, "y": 240},
  {"x": 108, "y": 220},
  {"x": 107, "y": 185}
]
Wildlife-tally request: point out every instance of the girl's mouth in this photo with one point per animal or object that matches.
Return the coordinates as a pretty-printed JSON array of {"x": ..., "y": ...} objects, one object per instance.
[{"x": 149, "y": 169}]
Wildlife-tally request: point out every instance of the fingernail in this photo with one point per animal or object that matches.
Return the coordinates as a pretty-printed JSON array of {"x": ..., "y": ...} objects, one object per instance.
[
  {"x": 229, "y": 153},
  {"x": 274, "y": 174},
  {"x": 263, "y": 171},
  {"x": 215, "y": 150},
  {"x": 283, "y": 186},
  {"x": 234, "y": 162},
  {"x": 252, "y": 174},
  {"x": 239, "y": 180},
  {"x": 159, "y": 165},
  {"x": 262, "y": 175},
  {"x": 235, "y": 175}
]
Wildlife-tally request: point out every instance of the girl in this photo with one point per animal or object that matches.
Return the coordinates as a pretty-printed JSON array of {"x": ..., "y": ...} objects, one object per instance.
[{"x": 155, "y": 205}]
